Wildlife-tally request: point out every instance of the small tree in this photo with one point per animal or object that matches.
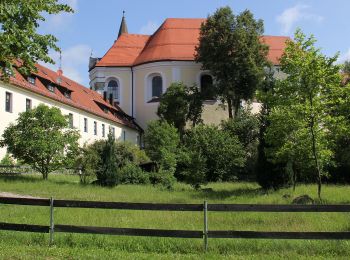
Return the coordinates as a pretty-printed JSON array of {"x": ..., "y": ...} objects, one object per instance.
[
  {"x": 230, "y": 47},
  {"x": 19, "y": 21},
  {"x": 300, "y": 116},
  {"x": 161, "y": 144},
  {"x": 107, "y": 175},
  {"x": 41, "y": 138},
  {"x": 180, "y": 104}
]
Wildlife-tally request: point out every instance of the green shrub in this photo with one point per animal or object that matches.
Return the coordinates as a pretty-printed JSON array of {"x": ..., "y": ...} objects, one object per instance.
[
  {"x": 222, "y": 153},
  {"x": 7, "y": 160},
  {"x": 107, "y": 174},
  {"x": 133, "y": 174},
  {"x": 196, "y": 169},
  {"x": 161, "y": 144},
  {"x": 164, "y": 178}
]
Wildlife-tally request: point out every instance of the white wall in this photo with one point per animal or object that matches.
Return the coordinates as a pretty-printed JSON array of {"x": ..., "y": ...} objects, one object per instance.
[{"x": 19, "y": 97}]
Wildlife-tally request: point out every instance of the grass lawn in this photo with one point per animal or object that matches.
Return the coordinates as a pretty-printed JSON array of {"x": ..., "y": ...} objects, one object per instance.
[{"x": 20, "y": 245}]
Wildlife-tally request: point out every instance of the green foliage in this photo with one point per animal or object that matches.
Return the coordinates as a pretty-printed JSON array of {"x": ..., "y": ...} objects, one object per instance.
[
  {"x": 87, "y": 163},
  {"x": 195, "y": 170},
  {"x": 19, "y": 22},
  {"x": 164, "y": 178},
  {"x": 133, "y": 174},
  {"x": 221, "y": 152},
  {"x": 7, "y": 160},
  {"x": 230, "y": 48},
  {"x": 161, "y": 144},
  {"x": 179, "y": 104},
  {"x": 246, "y": 127},
  {"x": 41, "y": 138},
  {"x": 346, "y": 67},
  {"x": 107, "y": 174},
  {"x": 299, "y": 118}
]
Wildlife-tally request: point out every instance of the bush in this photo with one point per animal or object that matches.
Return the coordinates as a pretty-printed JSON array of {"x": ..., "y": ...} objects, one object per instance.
[
  {"x": 163, "y": 178},
  {"x": 133, "y": 174},
  {"x": 195, "y": 172},
  {"x": 7, "y": 160},
  {"x": 246, "y": 127},
  {"x": 221, "y": 153},
  {"x": 87, "y": 164},
  {"x": 107, "y": 174},
  {"x": 161, "y": 144}
]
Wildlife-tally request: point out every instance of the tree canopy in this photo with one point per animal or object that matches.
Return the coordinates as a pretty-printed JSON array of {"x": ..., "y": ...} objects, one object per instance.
[
  {"x": 302, "y": 104},
  {"x": 19, "y": 37},
  {"x": 230, "y": 48},
  {"x": 41, "y": 138}
]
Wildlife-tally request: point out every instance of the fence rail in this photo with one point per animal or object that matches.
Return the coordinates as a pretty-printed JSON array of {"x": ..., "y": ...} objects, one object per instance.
[{"x": 205, "y": 208}]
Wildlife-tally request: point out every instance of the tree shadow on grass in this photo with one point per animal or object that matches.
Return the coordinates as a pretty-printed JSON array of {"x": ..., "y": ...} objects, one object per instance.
[{"x": 224, "y": 194}]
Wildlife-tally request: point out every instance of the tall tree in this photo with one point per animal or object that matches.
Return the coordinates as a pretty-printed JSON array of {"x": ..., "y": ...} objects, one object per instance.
[
  {"x": 41, "y": 138},
  {"x": 19, "y": 22},
  {"x": 301, "y": 103},
  {"x": 230, "y": 47}
]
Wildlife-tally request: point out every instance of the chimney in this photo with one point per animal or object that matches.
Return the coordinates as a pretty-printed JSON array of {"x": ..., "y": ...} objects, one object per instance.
[
  {"x": 111, "y": 99},
  {"x": 104, "y": 95},
  {"x": 59, "y": 76}
]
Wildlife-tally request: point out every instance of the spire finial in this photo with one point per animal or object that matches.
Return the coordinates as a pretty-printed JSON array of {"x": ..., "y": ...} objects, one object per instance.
[
  {"x": 60, "y": 62},
  {"x": 123, "y": 28},
  {"x": 59, "y": 71}
]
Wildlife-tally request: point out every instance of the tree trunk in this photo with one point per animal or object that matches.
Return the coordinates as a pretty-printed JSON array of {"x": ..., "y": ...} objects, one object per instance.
[
  {"x": 229, "y": 104},
  {"x": 236, "y": 105},
  {"x": 314, "y": 153}
]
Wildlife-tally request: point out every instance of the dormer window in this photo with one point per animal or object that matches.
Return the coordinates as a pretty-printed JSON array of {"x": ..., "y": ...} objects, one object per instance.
[
  {"x": 31, "y": 80},
  {"x": 68, "y": 94},
  {"x": 51, "y": 88},
  {"x": 8, "y": 72}
]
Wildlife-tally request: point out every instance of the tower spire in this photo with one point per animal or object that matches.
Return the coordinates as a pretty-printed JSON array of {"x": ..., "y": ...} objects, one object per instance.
[{"x": 123, "y": 27}]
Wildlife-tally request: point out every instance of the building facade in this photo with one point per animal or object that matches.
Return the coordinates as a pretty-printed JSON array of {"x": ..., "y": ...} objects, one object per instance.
[
  {"x": 137, "y": 69},
  {"x": 87, "y": 111}
]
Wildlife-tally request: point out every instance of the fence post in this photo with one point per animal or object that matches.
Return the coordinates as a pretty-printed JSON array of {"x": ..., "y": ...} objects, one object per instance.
[
  {"x": 205, "y": 231},
  {"x": 52, "y": 225}
]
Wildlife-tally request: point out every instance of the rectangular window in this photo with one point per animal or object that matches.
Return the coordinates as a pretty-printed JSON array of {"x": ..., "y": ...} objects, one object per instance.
[
  {"x": 103, "y": 130},
  {"x": 85, "y": 125},
  {"x": 112, "y": 130},
  {"x": 31, "y": 80},
  {"x": 8, "y": 102},
  {"x": 71, "y": 123},
  {"x": 28, "y": 104},
  {"x": 67, "y": 94},
  {"x": 95, "y": 128}
]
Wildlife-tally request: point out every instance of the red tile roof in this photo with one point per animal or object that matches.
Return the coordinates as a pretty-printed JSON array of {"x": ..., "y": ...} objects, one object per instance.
[
  {"x": 81, "y": 97},
  {"x": 124, "y": 51},
  {"x": 175, "y": 39}
]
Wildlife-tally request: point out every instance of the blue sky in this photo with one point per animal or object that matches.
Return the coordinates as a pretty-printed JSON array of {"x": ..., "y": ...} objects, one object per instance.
[{"x": 94, "y": 25}]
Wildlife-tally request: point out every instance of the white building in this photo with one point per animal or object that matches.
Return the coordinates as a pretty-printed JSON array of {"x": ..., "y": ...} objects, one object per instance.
[{"x": 88, "y": 112}]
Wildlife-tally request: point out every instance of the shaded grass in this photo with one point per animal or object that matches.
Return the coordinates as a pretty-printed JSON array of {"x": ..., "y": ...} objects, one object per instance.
[{"x": 35, "y": 246}]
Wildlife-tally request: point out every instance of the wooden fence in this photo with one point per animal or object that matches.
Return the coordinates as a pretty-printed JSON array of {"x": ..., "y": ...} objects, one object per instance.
[{"x": 202, "y": 234}]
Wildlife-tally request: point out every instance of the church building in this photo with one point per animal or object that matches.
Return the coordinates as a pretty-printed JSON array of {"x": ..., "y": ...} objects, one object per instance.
[{"x": 137, "y": 69}]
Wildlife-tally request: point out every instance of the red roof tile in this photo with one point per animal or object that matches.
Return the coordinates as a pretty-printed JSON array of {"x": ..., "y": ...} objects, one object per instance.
[
  {"x": 81, "y": 97},
  {"x": 175, "y": 39},
  {"x": 124, "y": 51}
]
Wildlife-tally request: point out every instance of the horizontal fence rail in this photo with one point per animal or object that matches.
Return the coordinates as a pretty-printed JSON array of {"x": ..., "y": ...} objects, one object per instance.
[{"x": 203, "y": 234}]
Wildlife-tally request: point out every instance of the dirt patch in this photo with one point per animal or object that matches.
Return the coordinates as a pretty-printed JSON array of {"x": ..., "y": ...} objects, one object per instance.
[{"x": 14, "y": 195}]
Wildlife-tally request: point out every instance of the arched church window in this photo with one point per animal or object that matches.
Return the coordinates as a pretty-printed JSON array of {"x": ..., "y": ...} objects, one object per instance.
[
  {"x": 157, "y": 86},
  {"x": 207, "y": 87},
  {"x": 113, "y": 89}
]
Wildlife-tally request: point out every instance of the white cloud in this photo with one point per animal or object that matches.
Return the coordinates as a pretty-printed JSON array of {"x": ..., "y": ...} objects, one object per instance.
[
  {"x": 62, "y": 19},
  {"x": 149, "y": 28},
  {"x": 74, "y": 62},
  {"x": 293, "y": 15}
]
